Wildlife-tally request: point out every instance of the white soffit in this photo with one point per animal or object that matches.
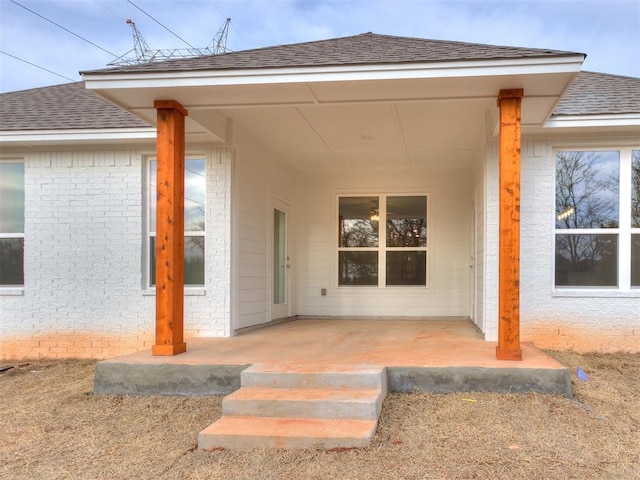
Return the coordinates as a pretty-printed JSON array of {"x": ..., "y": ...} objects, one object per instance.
[
  {"x": 254, "y": 76},
  {"x": 309, "y": 85}
]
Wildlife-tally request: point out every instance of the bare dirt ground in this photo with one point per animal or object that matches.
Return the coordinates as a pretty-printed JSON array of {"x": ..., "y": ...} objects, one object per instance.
[{"x": 52, "y": 427}]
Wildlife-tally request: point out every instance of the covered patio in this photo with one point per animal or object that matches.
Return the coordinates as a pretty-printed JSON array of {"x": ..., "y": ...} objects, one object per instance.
[
  {"x": 300, "y": 128},
  {"x": 433, "y": 354}
]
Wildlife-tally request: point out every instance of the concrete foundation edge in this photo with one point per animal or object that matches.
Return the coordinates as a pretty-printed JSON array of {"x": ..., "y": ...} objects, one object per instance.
[
  {"x": 115, "y": 378},
  {"x": 478, "y": 379}
]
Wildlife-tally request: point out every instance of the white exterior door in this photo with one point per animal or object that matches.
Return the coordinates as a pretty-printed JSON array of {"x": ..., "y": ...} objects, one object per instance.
[{"x": 280, "y": 262}]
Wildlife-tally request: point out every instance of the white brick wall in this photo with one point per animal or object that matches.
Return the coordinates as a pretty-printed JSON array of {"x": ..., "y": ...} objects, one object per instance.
[
  {"x": 83, "y": 292},
  {"x": 587, "y": 321},
  {"x": 491, "y": 235},
  {"x": 581, "y": 321}
]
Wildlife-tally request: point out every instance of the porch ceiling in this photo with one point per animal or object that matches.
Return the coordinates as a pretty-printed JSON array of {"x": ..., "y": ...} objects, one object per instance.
[{"x": 410, "y": 123}]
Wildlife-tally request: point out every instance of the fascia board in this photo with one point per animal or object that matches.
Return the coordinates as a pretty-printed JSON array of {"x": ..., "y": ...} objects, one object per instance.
[
  {"x": 610, "y": 120},
  {"x": 526, "y": 66},
  {"x": 78, "y": 135}
]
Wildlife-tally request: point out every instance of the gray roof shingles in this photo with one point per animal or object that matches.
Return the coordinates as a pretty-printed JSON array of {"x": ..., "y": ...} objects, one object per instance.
[
  {"x": 593, "y": 93},
  {"x": 62, "y": 107},
  {"x": 71, "y": 106},
  {"x": 363, "y": 49}
]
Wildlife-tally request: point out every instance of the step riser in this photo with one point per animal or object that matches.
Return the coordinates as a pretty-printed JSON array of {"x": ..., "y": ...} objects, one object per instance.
[
  {"x": 242, "y": 433},
  {"x": 303, "y": 409},
  {"x": 284, "y": 409},
  {"x": 314, "y": 380},
  {"x": 245, "y": 442}
]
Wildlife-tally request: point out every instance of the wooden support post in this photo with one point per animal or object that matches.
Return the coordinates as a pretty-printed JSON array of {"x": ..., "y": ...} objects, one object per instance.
[
  {"x": 170, "y": 148},
  {"x": 509, "y": 102}
]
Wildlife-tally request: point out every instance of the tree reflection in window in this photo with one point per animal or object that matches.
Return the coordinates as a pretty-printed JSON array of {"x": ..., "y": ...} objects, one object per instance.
[
  {"x": 194, "y": 221},
  {"x": 358, "y": 268},
  {"x": 635, "y": 189},
  {"x": 584, "y": 260},
  {"x": 359, "y": 220},
  {"x": 358, "y": 230},
  {"x": 587, "y": 197},
  {"x": 406, "y": 221},
  {"x": 587, "y": 189}
]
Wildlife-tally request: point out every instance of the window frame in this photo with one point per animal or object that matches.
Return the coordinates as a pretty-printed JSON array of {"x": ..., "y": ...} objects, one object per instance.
[
  {"x": 13, "y": 289},
  {"x": 148, "y": 192},
  {"x": 623, "y": 232},
  {"x": 382, "y": 249}
]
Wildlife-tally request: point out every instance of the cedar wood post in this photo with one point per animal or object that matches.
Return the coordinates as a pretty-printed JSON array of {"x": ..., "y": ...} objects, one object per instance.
[
  {"x": 509, "y": 102},
  {"x": 170, "y": 147}
]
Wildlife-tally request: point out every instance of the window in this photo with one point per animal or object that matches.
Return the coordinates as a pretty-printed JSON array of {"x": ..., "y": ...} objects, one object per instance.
[
  {"x": 194, "y": 221},
  {"x": 635, "y": 218},
  {"x": 597, "y": 219},
  {"x": 382, "y": 240},
  {"x": 11, "y": 224}
]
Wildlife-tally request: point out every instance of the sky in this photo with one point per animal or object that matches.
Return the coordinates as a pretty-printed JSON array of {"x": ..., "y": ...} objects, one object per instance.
[{"x": 608, "y": 31}]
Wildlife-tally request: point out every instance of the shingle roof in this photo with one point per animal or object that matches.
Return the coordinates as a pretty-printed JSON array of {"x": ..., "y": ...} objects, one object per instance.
[
  {"x": 363, "y": 49},
  {"x": 594, "y": 93},
  {"x": 71, "y": 106},
  {"x": 62, "y": 107}
]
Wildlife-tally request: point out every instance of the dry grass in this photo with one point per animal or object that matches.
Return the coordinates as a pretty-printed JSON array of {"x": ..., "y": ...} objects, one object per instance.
[{"x": 54, "y": 428}]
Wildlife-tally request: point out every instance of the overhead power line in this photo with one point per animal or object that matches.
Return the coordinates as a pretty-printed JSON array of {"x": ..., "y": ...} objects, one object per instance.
[
  {"x": 37, "y": 66},
  {"x": 167, "y": 29},
  {"x": 65, "y": 29}
]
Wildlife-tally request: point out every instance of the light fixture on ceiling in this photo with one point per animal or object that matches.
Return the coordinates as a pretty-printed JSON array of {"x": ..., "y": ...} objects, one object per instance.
[{"x": 366, "y": 136}]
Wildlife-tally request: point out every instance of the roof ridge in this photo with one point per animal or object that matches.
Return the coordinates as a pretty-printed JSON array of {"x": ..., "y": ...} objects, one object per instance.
[{"x": 361, "y": 49}]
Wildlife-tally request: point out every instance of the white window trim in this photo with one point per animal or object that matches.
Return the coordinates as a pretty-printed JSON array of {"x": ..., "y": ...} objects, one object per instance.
[
  {"x": 382, "y": 248},
  {"x": 623, "y": 232},
  {"x": 15, "y": 290},
  {"x": 147, "y": 288}
]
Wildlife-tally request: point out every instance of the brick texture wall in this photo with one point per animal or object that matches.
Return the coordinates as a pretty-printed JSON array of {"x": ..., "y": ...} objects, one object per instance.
[
  {"x": 84, "y": 293},
  {"x": 566, "y": 320}
]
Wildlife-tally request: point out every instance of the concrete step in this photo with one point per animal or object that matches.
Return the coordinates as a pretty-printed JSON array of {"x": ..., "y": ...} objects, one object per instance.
[
  {"x": 290, "y": 406},
  {"x": 243, "y": 433},
  {"x": 314, "y": 376},
  {"x": 364, "y": 404}
]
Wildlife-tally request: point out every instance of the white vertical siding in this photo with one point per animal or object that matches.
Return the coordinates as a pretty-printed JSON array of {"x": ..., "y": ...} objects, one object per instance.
[
  {"x": 450, "y": 207},
  {"x": 260, "y": 177}
]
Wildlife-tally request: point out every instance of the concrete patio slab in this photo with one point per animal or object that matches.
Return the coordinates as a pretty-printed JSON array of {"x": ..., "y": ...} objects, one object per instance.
[{"x": 429, "y": 354}]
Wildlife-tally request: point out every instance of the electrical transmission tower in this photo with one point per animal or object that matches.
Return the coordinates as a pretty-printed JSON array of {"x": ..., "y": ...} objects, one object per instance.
[{"x": 142, "y": 53}]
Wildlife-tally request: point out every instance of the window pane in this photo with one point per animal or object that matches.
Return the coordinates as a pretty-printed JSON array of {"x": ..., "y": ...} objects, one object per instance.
[
  {"x": 407, "y": 268},
  {"x": 152, "y": 192},
  {"x": 279, "y": 256},
  {"x": 635, "y": 260},
  {"x": 11, "y": 261},
  {"x": 586, "y": 260},
  {"x": 406, "y": 221},
  {"x": 193, "y": 261},
  {"x": 359, "y": 218},
  {"x": 587, "y": 189},
  {"x": 194, "y": 195},
  {"x": 635, "y": 189},
  {"x": 11, "y": 197},
  {"x": 358, "y": 268}
]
